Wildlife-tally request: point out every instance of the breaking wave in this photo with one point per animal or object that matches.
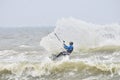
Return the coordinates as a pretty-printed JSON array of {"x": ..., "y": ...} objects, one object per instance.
[
  {"x": 96, "y": 49},
  {"x": 51, "y": 69},
  {"x": 84, "y": 35},
  {"x": 96, "y": 55}
]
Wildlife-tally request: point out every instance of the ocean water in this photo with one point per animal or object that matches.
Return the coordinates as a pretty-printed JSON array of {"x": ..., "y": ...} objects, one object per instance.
[
  {"x": 20, "y": 51},
  {"x": 25, "y": 52}
]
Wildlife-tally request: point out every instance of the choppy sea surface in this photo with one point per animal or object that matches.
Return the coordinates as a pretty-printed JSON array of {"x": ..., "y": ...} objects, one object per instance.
[
  {"x": 25, "y": 51},
  {"x": 20, "y": 51}
]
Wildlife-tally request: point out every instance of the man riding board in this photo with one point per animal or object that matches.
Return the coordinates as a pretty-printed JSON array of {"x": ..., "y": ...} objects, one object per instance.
[{"x": 68, "y": 49}]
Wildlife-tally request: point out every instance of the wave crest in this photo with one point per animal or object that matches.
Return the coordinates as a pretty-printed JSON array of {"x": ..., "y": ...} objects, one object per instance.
[{"x": 82, "y": 33}]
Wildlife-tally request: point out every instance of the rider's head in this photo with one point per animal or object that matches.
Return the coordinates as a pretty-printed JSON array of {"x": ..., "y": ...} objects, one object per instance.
[{"x": 71, "y": 43}]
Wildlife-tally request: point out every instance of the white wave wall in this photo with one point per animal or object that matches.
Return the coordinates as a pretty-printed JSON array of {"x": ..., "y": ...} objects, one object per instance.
[{"x": 83, "y": 34}]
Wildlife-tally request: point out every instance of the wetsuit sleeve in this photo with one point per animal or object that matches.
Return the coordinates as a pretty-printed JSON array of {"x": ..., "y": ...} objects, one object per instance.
[{"x": 65, "y": 46}]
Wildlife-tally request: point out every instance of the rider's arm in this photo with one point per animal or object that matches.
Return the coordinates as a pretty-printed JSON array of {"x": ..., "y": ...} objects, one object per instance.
[{"x": 65, "y": 46}]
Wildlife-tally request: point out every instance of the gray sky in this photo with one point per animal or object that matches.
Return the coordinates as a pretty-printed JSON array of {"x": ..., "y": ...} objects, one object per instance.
[{"x": 47, "y": 12}]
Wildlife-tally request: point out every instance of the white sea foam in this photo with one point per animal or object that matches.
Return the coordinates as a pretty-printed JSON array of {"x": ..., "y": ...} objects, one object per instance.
[
  {"x": 83, "y": 34},
  {"x": 28, "y": 63}
]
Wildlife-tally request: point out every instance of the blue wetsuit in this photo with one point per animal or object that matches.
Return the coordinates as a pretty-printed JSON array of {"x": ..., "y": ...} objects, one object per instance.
[{"x": 68, "y": 49}]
